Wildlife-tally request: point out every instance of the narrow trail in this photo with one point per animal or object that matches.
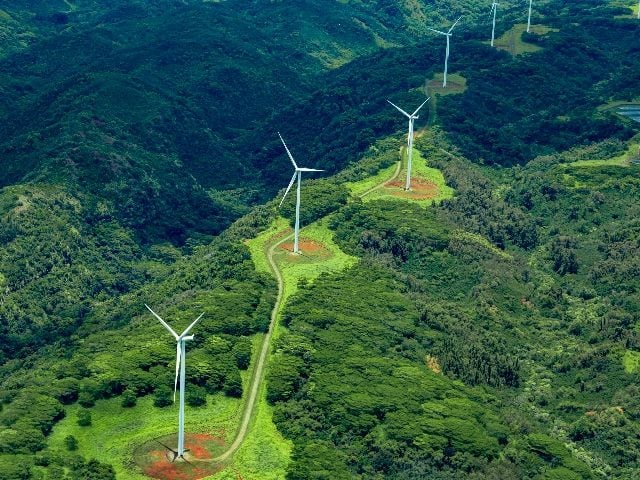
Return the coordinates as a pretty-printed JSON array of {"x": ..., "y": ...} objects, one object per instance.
[{"x": 258, "y": 371}]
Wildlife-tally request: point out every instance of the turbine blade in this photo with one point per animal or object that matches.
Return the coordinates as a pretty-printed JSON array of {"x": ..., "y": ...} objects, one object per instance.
[
  {"x": 309, "y": 170},
  {"x": 437, "y": 31},
  {"x": 175, "y": 385},
  {"x": 399, "y": 109},
  {"x": 190, "y": 326},
  {"x": 288, "y": 152},
  {"x": 293, "y": 179},
  {"x": 162, "y": 321},
  {"x": 417, "y": 109},
  {"x": 454, "y": 24}
]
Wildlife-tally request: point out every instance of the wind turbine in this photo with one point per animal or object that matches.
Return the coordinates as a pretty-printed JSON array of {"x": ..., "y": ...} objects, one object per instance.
[
  {"x": 411, "y": 118},
  {"x": 181, "y": 341},
  {"x": 297, "y": 173},
  {"x": 529, "y": 19},
  {"x": 446, "y": 58},
  {"x": 494, "y": 10}
]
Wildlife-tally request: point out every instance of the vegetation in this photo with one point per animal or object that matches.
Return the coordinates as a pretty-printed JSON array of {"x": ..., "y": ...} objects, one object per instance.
[{"x": 486, "y": 327}]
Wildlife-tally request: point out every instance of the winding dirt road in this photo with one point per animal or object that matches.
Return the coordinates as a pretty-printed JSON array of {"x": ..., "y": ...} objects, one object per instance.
[{"x": 258, "y": 371}]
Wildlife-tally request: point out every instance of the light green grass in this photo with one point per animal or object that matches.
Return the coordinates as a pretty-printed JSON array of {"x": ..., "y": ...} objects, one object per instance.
[
  {"x": 358, "y": 188},
  {"x": 631, "y": 361},
  {"x": 633, "y": 6},
  {"x": 618, "y": 161},
  {"x": 308, "y": 270},
  {"x": 511, "y": 41},
  {"x": 259, "y": 245},
  {"x": 419, "y": 171},
  {"x": 264, "y": 454},
  {"x": 483, "y": 242},
  {"x": 456, "y": 84},
  {"x": 4, "y": 16},
  {"x": 116, "y": 431}
]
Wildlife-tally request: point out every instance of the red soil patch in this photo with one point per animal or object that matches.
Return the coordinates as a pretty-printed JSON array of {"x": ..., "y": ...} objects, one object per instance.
[
  {"x": 155, "y": 460},
  {"x": 309, "y": 246},
  {"x": 420, "y": 189}
]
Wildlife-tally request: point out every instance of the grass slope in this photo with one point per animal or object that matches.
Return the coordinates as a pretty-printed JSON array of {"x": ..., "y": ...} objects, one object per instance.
[{"x": 511, "y": 41}]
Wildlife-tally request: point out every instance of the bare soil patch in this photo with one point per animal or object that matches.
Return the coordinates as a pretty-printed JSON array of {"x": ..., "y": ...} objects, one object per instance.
[
  {"x": 155, "y": 460},
  {"x": 420, "y": 189}
]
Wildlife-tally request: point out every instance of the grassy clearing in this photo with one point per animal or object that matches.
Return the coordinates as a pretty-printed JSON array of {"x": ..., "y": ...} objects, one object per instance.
[
  {"x": 619, "y": 161},
  {"x": 259, "y": 245},
  {"x": 358, "y": 188},
  {"x": 631, "y": 361},
  {"x": 631, "y": 5},
  {"x": 421, "y": 173},
  {"x": 483, "y": 242},
  {"x": 296, "y": 268},
  {"x": 511, "y": 41},
  {"x": 456, "y": 84},
  {"x": 116, "y": 431}
]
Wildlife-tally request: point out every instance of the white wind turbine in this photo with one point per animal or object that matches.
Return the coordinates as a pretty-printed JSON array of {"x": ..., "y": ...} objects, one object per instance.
[
  {"x": 298, "y": 174},
  {"x": 529, "y": 19},
  {"x": 411, "y": 118},
  {"x": 180, "y": 372},
  {"x": 446, "y": 58},
  {"x": 494, "y": 10}
]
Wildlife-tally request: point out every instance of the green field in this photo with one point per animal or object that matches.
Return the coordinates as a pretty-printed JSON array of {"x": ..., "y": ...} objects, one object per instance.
[
  {"x": 421, "y": 173},
  {"x": 511, "y": 41},
  {"x": 456, "y": 83}
]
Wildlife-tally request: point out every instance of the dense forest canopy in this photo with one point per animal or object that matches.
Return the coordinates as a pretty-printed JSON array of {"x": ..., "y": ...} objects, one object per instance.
[{"x": 493, "y": 333}]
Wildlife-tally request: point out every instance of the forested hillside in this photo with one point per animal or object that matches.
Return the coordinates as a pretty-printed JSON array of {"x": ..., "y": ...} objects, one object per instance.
[{"x": 484, "y": 325}]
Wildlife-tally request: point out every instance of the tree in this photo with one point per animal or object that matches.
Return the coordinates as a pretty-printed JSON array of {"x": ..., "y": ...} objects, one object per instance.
[
  {"x": 162, "y": 397},
  {"x": 71, "y": 443},
  {"x": 563, "y": 255},
  {"x": 242, "y": 353},
  {"x": 196, "y": 396},
  {"x": 84, "y": 418},
  {"x": 129, "y": 399}
]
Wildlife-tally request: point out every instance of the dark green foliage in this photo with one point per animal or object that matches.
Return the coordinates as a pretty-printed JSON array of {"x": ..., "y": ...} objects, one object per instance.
[
  {"x": 318, "y": 461},
  {"x": 232, "y": 383},
  {"x": 354, "y": 400},
  {"x": 129, "y": 399},
  {"x": 563, "y": 255},
  {"x": 84, "y": 418},
  {"x": 242, "y": 353},
  {"x": 14, "y": 468},
  {"x": 196, "y": 396},
  {"x": 71, "y": 443},
  {"x": 86, "y": 399},
  {"x": 93, "y": 470},
  {"x": 163, "y": 397},
  {"x": 319, "y": 198}
]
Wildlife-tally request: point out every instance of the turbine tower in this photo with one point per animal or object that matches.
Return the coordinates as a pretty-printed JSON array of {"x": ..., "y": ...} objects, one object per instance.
[
  {"x": 494, "y": 10},
  {"x": 297, "y": 173},
  {"x": 181, "y": 341},
  {"x": 411, "y": 118},
  {"x": 529, "y": 19},
  {"x": 446, "y": 57}
]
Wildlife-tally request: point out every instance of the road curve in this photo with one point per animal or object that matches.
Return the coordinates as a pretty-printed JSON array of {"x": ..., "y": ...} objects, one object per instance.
[{"x": 258, "y": 371}]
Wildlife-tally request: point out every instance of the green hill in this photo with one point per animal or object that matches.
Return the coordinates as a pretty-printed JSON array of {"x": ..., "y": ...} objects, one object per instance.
[{"x": 484, "y": 325}]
